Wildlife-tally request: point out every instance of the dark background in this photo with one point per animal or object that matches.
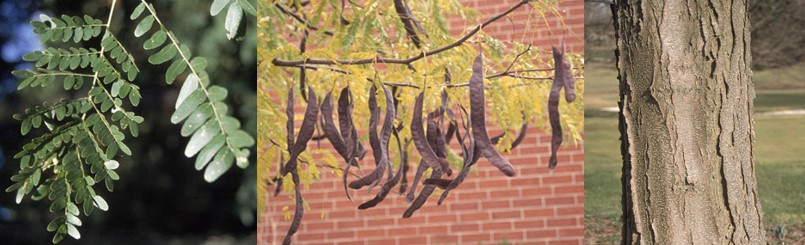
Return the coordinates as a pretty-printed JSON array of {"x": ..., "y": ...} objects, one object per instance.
[{"x": 160, "y": 198}]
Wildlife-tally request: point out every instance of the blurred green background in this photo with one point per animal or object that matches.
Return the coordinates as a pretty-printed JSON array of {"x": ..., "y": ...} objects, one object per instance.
[
  {"x": 160, "y": 198},
  {"x": 779, "y": 75}
]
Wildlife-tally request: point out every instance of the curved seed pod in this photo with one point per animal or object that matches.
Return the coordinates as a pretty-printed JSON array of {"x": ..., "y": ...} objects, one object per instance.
[
  {"x": 562, "y": 71},
  {"x": 330, "y": 130},
  {"x": 423, "y": 196},
  {"x": 553, "y": 109},
  {"x": 420, "y": 169},
  {"x": 348, "y": 131},
  {"x": 335, "y": 139},
  {"x": 305, "y": 132},
  {"x": 477, "y": 104},
  {"x": 387, "y": 129},
  {"x": 289, "y": 125},
  {"x": 408, "y": 21},
  {"x": 469, "y": 151},
  {"x": 302, "y": 75},
  {"x": 436, "y": 139},
  {"x": 374, "y": 142},
  {"x": 516, "y": 141},
  {"x": 418, "y": 135},
  {"x": 386, "y": 189},
  {"x": 298, "y": 212}
]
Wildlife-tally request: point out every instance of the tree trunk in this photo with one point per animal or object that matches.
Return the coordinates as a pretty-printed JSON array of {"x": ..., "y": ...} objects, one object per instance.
[{"x": 686, "y": 123}]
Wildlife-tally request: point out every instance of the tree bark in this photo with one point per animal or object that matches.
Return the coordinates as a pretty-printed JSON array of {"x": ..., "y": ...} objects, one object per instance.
[{"x": 686, "y": 122}]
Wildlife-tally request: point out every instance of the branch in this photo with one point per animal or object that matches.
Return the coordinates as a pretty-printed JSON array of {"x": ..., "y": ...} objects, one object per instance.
[
  {"x": 407, "y": 61},
  {"x": 300, "y": 19}
]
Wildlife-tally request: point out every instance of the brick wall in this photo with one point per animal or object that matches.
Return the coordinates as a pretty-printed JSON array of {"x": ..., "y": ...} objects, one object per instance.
[{"x": 535, "y": 207}]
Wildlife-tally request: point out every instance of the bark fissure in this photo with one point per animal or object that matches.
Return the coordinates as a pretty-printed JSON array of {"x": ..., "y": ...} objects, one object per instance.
[{"x": 685, "y": 122}]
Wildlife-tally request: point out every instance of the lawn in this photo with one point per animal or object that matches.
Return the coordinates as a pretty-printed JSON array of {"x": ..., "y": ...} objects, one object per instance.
[{"x": 779, "y": 154}]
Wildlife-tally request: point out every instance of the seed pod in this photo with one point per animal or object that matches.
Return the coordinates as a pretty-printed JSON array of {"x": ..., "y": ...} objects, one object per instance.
[
  {"x": 298, "y": 211},
  {"x": 516, "y": 141},
  {"x": 553, "y": 106},
  {"x": 433, "y": 141},
  {"x": 408, "y": 21},
  {"x": 420, "y": 170},
  {"x": 374, "y": 142},
  {"x": 330, "y": 130},
  {"x": 386, "y": 189},
  {"x": 305, "y": 133},
  {"x": 348, "y": 131},
  {"x": 418, "y": 135},
  {"x": 562, "y": 71},
  {"x": 477, "y": 104},
  {"x": 379, "y": 144},
  {"x": 436, "y": 139}
]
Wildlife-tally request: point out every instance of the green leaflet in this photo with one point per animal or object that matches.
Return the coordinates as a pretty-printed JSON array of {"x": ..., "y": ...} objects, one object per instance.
[
  {"x": 196, "y": 119},
  {"x": 137, "y": 11},
  {"x": 209, "y": 151},
  {"x": 84, "y": 136},
  {"x": 219, "y": 165},
  {"x": 144, "y": 26},
  {"x": 174, "y": 70},
  {"x": 188, "y": 106},
  {"x": 156, "y": 40},
  {"x": 165, "y": 54},
  {"x": 189, "y": 86},
  {"x": 233, "y": 18},
  {"x": 217, "y": 6},
  {"x": 201, "y": 138}
]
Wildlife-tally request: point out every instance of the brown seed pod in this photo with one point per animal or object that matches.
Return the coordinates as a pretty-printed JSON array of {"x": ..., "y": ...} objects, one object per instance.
[
  {"x": 299, "y": 210},
  {"x": 305, "y": 133},
  {"x": 348, "y": 131},
  {"x": 477, "y": 105},
  {"x": 433, "y": 141},
  {"x": 379, "y": 144},
  {"x": 418, "y": 135},
  {"x": 386, "y": 189},
  {"x": 420, "y": 170},
  {"x": 330, "y": 131},
  {"x": 553, "y": 105},
  {"x": 401, "y": 6},
  {"x": 562, "y": 71}
]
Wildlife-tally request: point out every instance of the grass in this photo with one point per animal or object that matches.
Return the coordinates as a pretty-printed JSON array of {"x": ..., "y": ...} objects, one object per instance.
[{"x": 779, "y": 154}]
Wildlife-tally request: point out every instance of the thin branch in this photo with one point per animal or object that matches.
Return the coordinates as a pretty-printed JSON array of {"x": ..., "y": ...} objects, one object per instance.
[
  {"x": 407, "y": 61},
  {"x": 300, "y": 19},
  {"x": 506, "y": 72}
]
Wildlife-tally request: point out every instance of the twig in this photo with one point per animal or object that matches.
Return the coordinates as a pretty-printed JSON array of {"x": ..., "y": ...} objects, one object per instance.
[
  {"x": 407, "y": 61},
  {"x": 300, "y": 19}
]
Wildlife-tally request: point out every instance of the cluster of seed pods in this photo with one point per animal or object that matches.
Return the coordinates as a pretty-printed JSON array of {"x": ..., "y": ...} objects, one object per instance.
[{"x": 430, "y": 143}]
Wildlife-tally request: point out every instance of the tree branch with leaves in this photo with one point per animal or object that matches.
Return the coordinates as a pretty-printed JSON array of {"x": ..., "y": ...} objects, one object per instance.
[{"x": 384, "y": 58}]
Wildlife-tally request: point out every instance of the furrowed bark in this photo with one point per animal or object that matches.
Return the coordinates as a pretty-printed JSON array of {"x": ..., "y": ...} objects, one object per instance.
[
  {"x": 686, "y": 104},
  {"x": 477, "y": 105}
]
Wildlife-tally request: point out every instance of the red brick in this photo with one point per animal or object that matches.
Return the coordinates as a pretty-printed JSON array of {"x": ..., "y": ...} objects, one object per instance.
[
  {"x": 507, "y": 215},
  {"x": 464, "y": 227},
  {"x": 561, "y": 222},
  {"x": 340, "y": 234}
]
